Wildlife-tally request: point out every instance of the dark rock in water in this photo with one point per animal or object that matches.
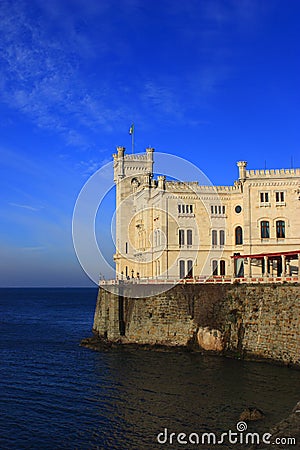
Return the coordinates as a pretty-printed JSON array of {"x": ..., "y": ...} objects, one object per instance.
[
  {"x": 286, "y": 434},
  {"x": 251, "y": 414}
]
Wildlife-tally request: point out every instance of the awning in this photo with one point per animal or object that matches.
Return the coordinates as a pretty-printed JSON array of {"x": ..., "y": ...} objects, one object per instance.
[{"x": 269, "y": 255}]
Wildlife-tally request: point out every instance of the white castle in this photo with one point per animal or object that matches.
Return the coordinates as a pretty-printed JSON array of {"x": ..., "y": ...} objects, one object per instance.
[{"x": 182, "y": 230}]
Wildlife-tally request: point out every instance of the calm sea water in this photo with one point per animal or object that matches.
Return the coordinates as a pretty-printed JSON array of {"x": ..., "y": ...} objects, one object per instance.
[{"x": 58, "y": 395}]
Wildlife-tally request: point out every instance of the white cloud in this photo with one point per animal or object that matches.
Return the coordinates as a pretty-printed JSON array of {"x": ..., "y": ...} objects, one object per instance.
[{"x": 29, "y": 207}]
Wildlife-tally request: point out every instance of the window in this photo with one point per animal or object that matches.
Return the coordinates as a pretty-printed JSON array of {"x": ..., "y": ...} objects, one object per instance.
[
  {"x": 181, "y": 269},
  {"x": 181, "y": 238},
  {"x": 190, "y": 268},
  {"x": 215, "y": 267},
  {"x": 238, "y": 209},
  {"x": 222, "y": 237},
  {"x": 157, "y": 238},
  {"x": 280, "y": 229},
  {"x": 126, "y": 247},
  {"x": 238, "y": 236},
  {"x": 265, "y": 229},
  {"x": 222, "y": 267},
  {"x": 214, "y": 237},
  {"x": 279, "y": 196},
  {"x": 189, "y": 237},
  {"x": 185, "y": 209},
  {"x": 217, "y": 209},
  {"x": 264, "y": 197}
]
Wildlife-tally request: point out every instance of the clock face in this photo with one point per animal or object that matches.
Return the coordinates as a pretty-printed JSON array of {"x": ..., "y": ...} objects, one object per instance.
[
  {"x": 135, "y": 182},
  {"x": 238, "y": 209}
]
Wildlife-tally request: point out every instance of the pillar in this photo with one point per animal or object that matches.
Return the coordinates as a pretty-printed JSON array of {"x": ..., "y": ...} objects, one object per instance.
[
  {"x": 266, "y": 273},
  {"x": 247, "y": 267},
  {"x": 283, "y": 266}
]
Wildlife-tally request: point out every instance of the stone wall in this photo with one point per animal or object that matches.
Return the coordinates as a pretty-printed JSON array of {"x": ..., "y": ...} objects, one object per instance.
[{"x": 257, "y": 320}]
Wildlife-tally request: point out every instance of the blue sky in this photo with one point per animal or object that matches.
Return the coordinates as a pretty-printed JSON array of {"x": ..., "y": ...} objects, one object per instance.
[{"x": 210, "y": 81}]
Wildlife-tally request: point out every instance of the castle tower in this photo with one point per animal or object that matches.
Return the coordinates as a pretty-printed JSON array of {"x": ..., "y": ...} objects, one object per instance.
[{"x": 131, "y": 173}]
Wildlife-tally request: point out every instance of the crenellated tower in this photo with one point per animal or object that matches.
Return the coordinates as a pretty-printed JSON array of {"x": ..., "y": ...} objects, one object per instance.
[{"x": 131, "y": 173}]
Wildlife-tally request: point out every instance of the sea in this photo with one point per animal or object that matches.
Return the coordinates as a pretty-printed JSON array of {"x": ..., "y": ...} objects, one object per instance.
[{"x": 56, "y": 394}]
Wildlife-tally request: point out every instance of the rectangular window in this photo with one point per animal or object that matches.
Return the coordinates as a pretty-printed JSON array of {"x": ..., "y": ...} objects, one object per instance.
[
  {"x": 265, "y": 229},
  {"x": 214, "y": 237},
  {"x": 191, "y": 209},
  {"x": 264, "y": 197},
  {"x": 181, "y": 238},
  {"x": 179, "y": 209},
  {"x": 222, "y": 237},
  {"x": 220, "y": 209},
  {"x": 279, "y": 197},
  {"x": 126, "y": 247},
  {"x": 223, "y": 209},
  {"x": 280, "y": 229},
  {"x": 216, "y": 209},
  {"x": 212, "y": 209},
  {"x": 183, "y": 209},
  {"x": 189, "y": 237}
]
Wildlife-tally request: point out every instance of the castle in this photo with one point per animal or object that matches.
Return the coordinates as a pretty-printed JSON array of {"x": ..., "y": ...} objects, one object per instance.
[{"x": 172, "y": 230}]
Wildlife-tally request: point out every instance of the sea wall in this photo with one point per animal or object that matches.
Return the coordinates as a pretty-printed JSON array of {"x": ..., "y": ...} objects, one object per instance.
[{"x": 254, "y": 320}]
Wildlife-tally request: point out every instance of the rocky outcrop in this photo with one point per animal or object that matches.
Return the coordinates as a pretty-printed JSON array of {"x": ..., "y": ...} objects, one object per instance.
[
  {"x": 288, "y": 428},
  {"x": 210, "y": 340},
  {"x": 285, "y": 435},
  {"x": 251, "y": 414}
]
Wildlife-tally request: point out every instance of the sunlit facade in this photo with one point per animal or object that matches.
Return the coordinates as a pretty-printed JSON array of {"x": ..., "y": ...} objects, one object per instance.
[{"x": 169, "y": 229}]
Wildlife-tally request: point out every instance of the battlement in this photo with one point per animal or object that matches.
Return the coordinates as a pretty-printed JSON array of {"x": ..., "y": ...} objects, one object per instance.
[
  {"x": 195, "y": 186},
  {"x": 136, "y": 157},
  {"x": 272, "y": 173}
]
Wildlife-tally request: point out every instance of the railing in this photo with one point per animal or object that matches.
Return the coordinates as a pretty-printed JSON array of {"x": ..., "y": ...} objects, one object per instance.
[{"x": 201, "y": 280}]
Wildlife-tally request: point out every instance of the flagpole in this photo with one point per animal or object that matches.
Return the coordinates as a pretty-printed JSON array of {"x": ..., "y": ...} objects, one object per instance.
[
  {"x": 132, "y": 140},
  {"x": 131, "y": 131}
]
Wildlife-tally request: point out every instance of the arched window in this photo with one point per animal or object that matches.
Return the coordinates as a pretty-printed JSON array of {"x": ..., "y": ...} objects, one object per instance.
[
  {"x": 181, "y": 238},
  {"x": 222, "y": 267},
  {"x": 280, "y": 229},
  {"x": 189, "y": 237},
  {"x": 190, "y": 268},
  {"x": 181, "y": 269},
  {"x": 265, "y": 229},
  {"x": 215, "y": 267},
  {"x": 238, "y": 236},
  {"x": 222, "y": 238},
  {"x": 214, "y": 237}
]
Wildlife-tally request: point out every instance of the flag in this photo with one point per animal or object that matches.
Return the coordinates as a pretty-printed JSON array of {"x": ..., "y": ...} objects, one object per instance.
[{"x": 131, "y": 129}]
